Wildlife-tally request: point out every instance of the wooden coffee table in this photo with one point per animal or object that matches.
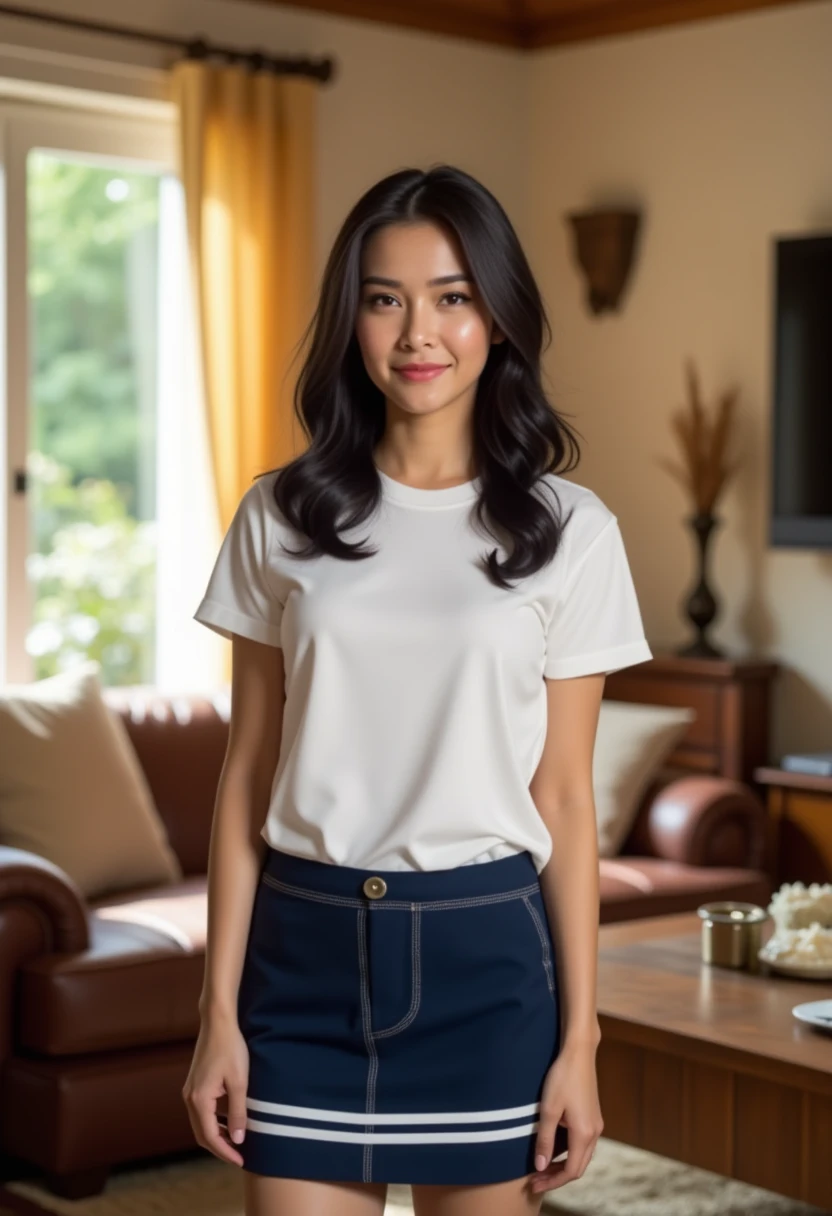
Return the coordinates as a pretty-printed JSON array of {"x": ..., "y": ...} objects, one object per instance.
[{"x": 708, "y": 1065}]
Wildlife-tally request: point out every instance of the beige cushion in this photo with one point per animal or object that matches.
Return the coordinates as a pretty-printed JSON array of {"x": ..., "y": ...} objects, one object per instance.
[
  {"x": 72, "y": 789},
  {"x": 631, "y": 745}
]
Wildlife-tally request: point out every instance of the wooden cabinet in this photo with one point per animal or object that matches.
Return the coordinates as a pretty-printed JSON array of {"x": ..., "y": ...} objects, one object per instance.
[
  {"x": 730, "y": 734},
  {"x": 800, "y": 825}
]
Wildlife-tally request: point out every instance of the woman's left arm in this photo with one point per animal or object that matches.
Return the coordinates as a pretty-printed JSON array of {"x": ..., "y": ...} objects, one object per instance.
[{"x": 563, "y": 794}]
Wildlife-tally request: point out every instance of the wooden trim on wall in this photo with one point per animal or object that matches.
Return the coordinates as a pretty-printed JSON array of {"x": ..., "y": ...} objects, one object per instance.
[{"x": 533, "y": 24}]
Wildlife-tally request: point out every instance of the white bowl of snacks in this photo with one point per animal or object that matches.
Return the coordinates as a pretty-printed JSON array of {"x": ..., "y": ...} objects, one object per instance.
[{"x": 801, "y": 944}]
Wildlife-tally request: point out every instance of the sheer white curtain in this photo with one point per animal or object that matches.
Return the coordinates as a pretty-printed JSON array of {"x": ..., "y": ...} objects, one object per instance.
[{"x": 189, "y": 656}]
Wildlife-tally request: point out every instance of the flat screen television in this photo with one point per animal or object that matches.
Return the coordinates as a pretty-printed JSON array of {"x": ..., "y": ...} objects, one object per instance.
[{"x": 801, "y": 499}]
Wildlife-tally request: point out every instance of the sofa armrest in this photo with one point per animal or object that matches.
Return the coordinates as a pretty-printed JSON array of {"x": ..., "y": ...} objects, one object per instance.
[
  {"x": 27, "y": 878},
  {"x": 42, "y": 911},
  {"x": 703, "y": 821}
]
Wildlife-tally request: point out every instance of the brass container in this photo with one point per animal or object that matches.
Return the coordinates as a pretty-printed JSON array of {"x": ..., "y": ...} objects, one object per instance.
[{"x": 732, "y": 933}]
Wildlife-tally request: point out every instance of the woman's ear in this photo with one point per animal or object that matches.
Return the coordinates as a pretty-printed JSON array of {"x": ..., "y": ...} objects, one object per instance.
[{"x": 497, "y": 335}]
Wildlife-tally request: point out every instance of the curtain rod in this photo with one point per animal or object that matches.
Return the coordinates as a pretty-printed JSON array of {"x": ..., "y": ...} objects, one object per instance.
[{"x": 194, "y": 48}]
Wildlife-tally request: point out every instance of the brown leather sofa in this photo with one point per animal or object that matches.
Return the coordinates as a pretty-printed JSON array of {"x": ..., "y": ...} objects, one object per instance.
[{"x": 98, "y": 1001}]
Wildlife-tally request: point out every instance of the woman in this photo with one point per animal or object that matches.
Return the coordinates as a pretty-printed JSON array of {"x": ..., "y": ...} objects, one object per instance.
[{"x": 403, "y": 877}]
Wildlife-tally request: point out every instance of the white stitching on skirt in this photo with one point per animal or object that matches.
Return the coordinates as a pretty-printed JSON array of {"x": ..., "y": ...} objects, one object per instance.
[
  {"x": 425, "y": 905},
  {"x": 368, "y": 1036},
  {"x": 541, "y": 933},
  {"x": 415, "y": 979}
]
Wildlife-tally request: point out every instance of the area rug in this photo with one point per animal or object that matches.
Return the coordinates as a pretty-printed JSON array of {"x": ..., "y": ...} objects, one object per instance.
[{"x": 619, "y": 1181}]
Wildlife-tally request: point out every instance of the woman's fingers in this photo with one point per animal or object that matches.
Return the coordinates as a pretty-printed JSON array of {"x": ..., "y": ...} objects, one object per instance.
[
  {"x": 545, "y": 1144},
  {"x": 579, "y": 1154},
  {"x": 216, "y": 1086},
  {"x": 207, "y": 1128},
  {"x": 236, "y": 1118}
]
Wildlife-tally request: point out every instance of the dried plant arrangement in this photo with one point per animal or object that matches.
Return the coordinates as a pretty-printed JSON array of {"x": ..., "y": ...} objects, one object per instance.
[{"x": 705, "y": 468}]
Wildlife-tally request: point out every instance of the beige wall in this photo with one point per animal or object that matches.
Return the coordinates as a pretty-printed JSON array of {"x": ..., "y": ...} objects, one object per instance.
[{"x": 722, "y": 133}]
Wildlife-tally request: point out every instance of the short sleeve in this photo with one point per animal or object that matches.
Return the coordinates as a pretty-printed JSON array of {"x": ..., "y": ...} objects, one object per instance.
[
  {"x": 596, "y": 624},
  {"x": 239, "y": 597}
]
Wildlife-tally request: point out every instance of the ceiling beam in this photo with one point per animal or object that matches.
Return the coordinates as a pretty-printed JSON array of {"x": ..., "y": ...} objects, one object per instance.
[
  {"x": 574, "y": 21},
  {"x": 432, "y": 16},
  {"x": 533, "y": 24}
]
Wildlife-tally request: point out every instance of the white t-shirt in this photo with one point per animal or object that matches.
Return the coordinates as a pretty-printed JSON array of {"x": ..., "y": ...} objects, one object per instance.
[{"x": 415, "y": 711}]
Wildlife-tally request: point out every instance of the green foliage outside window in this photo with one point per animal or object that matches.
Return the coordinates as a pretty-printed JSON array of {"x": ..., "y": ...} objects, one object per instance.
[
  {"x": 94, "y": 579},
  {"x": 92, "y": 248}
]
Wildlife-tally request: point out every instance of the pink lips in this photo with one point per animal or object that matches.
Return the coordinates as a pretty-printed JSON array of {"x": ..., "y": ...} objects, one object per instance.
[{"x": 420, "y": 373}]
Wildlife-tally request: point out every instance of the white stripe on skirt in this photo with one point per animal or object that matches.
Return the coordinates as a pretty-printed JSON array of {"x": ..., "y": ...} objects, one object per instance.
[
  {"x": 320, "y": 1133},
  {"x": 322, "y": 1115}
]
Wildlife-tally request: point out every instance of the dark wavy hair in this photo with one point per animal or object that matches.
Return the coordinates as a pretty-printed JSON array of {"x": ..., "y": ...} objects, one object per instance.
[{"x": 517, "y": 433}]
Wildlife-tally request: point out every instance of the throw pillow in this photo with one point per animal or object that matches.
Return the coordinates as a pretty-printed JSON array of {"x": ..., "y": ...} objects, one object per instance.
[
  {"x": 631, "y": 744},
  {"x": 72, "y": 789}
]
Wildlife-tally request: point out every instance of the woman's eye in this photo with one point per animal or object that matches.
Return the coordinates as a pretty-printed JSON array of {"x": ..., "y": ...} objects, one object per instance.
[{"x": 448, "y": 294}]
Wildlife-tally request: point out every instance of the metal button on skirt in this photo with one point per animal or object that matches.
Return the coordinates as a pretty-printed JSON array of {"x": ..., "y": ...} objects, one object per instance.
[{"x": 399, "y": 1023}]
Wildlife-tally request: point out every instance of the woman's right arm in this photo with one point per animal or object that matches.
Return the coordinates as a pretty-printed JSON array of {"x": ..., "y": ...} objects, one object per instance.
[{"x": 220, "y": 1063}]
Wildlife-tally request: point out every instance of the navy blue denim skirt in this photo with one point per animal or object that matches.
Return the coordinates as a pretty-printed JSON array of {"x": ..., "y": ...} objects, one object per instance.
[{"x": 399, "y": 1023}]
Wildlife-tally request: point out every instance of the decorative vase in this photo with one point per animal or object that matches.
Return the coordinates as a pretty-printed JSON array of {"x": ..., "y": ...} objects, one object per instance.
[{"x": 701, "y": 605}]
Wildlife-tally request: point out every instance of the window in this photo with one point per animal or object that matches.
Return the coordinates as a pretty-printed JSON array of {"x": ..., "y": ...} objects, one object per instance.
[
  {"x": 110, "y": 525},
  {"x": 93, "y": 240}
]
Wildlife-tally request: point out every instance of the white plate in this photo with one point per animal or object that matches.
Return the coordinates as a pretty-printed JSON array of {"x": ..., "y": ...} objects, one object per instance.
[
  {"x": 809, "y": 971},
  {"x": 813, "y": 1011}
]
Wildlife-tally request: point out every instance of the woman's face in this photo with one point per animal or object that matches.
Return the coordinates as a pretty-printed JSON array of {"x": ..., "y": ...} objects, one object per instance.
[{"x": 405, "y": 317}]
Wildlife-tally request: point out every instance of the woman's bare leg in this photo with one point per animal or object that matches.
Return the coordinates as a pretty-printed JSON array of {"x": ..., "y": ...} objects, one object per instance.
[
  {"x": 513, "y": 1198},
  {"x": 302, "y": 1197}
]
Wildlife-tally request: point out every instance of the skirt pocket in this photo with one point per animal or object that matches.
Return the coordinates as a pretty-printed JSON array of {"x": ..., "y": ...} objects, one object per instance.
[
  {"x": 300, "y": 967},
  {"x": 537, "y": 911}
]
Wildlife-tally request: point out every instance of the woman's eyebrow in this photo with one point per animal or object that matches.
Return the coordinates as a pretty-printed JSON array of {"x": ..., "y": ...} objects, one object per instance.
[{"x": 445, "y": 278}]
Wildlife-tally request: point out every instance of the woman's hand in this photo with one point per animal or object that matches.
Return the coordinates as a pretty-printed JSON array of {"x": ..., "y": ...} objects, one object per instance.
[
  {"x": 218, "y": 1070},
  {"x": 570, "y": 1096}
]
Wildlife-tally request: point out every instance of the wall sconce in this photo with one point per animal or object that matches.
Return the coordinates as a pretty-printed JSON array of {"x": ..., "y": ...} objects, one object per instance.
[{"x": 603, "y": 243}]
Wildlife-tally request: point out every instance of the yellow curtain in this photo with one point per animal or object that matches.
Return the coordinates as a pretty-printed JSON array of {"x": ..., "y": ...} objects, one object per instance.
[{"x": 246, "y": 159}]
